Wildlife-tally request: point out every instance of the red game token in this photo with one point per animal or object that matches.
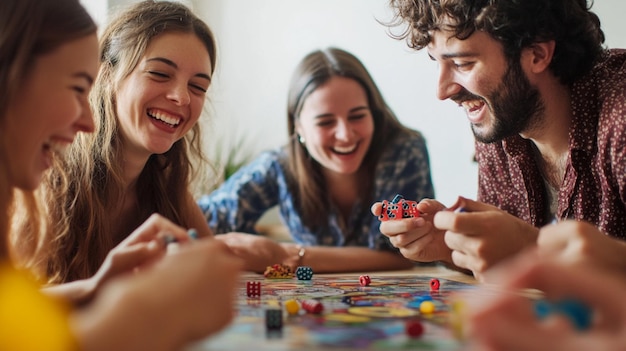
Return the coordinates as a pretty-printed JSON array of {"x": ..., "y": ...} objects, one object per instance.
[
  {"x": 414, "y": 328},
  {"x": 434, "y": 285},
  {"x": 312, "y": 306},
  {"x": 365, "y": 280}
]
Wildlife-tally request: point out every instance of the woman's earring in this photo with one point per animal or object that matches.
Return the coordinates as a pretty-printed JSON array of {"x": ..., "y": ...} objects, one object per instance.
[{"x": 301, "y": 139}]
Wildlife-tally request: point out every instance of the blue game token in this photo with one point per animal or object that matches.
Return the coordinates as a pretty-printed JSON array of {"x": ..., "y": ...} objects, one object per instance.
[{"x": 423, "y": 298}]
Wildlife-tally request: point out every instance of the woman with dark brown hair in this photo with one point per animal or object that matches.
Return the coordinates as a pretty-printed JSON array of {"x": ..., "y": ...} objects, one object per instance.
[{"x": 346, "y": 149}]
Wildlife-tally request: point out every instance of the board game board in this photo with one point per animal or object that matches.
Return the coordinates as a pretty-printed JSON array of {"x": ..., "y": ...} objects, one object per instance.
[{"x": 374, "y": 320}]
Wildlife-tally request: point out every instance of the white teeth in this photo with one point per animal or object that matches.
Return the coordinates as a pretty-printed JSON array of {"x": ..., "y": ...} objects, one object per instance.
[
  {"x": 165, "y": 118},
  {"x": 470, "y": 105},
  {"x": 345, "y": 150}
]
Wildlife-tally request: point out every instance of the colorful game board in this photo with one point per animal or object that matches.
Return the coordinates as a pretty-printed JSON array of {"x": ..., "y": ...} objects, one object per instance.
[{"x": 374, "y": 319}]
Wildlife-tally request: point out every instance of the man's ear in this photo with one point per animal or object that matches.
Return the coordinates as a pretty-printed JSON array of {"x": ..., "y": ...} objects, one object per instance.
[{"x": 537, "y": 57}]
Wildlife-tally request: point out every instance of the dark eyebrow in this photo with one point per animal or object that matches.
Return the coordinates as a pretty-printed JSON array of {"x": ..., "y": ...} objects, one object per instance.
[
  {"x": 352, "y": 110},
  {"x": 453, "y": 55},
  {"x": 359, "y": 108},
  {"x": 174, "y": 65},
  {"x": 85, "y": 76}
]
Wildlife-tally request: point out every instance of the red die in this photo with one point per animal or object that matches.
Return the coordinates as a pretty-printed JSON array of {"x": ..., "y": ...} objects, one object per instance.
[
  {"x": 365, "y": 280},
  {"x": 401, "y": 209},
  {"x": 253, "y": 289}
]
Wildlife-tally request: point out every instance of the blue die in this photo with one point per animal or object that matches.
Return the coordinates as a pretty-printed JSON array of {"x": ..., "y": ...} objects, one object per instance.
[{"x": 304, "y": 273}]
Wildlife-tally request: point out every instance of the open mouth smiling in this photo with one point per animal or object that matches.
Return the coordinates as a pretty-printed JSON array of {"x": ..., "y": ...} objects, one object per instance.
[
  {"x": 472, "y": 105},
  {"x": 165, "y": 118},
  {"x": 345, "y": 150}
]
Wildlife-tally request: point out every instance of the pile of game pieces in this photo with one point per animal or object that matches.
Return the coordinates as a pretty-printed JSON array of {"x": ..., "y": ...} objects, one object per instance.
[{"x": 278, "y": 271}]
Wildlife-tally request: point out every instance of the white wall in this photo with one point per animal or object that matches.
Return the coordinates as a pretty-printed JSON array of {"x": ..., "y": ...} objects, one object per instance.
[
  {"x": 261, "y": 41},
  {"x": 97, "y": 9}
]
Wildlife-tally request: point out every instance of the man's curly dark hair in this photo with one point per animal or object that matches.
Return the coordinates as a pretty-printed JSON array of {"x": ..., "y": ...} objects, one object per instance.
[{"x": 516, "y": 24}]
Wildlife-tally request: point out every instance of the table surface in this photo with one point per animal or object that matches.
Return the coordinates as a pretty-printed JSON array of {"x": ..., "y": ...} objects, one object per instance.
[{"x": 300, "y": 333}]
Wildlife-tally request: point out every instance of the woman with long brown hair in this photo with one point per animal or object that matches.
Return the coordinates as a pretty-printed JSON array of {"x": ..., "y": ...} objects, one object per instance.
[{"x": 346, "y": 149}]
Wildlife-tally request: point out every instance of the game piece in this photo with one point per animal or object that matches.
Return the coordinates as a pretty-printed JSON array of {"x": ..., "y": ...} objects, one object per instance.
[
  {"x": 365, "y": 280},
  {"x": 398, "y": 208},
  {"x": 292, "y": 306},
  {"x": 278, "y": 271},
  {"x": 304, "y": 273},
  {"x": 414, "y": 328},
  {"x": 434, "y": 284},
  {"x": 427, "y": 307},
  {"x": 253, "y": 289},
  {"x": 397, "y": 199},
  {"x": 577, "y": 312},
  {"x": 193, "y": 234},
  {"x": 312, "y": 306},
  {"x": 273, "y": 319}
]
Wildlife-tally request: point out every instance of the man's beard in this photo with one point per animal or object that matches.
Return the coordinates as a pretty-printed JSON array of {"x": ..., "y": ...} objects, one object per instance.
[{"x": 516, "y": 106}]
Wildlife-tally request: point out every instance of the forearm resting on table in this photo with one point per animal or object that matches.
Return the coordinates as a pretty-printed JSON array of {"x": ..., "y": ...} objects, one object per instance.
[{"x": 324, "y": 259}]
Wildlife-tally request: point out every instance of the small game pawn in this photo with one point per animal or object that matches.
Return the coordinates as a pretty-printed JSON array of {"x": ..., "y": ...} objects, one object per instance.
[
  {"x": 434, "y": 284},
  {"x": 304, "y": 273},
  {"x": 365, "y": 280},
  {"x": 312, "y": 306},
  {"x": 253, "y": 289}
]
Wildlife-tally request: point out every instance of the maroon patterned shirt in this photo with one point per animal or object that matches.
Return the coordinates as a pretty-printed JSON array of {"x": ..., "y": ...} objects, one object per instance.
[{"x": 594, "y": 186}]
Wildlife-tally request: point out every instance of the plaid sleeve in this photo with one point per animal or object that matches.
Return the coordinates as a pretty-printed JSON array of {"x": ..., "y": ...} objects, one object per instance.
[{"x": 240, "y": 201}]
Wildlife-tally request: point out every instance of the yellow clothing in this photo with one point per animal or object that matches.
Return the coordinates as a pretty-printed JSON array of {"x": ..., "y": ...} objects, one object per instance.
[{"x": 30, "y": 320}]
